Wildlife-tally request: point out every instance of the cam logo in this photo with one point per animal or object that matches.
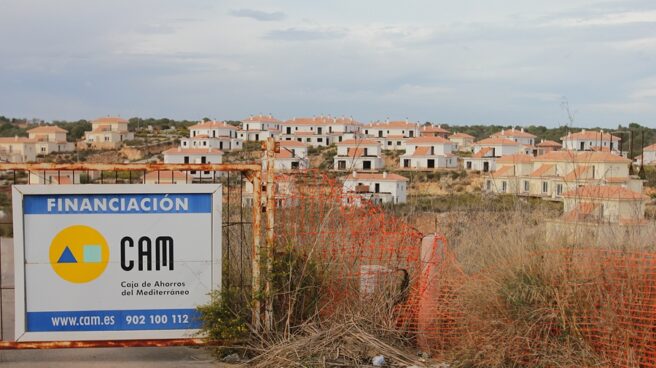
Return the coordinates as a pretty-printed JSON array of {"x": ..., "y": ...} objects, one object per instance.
[{"x": 79, "y": 254}]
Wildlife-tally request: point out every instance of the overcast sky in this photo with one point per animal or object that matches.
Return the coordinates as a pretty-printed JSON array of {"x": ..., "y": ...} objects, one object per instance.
[{"x": 465, "y": 61}]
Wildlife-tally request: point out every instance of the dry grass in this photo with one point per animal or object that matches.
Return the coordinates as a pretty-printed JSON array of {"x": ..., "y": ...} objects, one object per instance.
[{"x": 517, "y": 300}]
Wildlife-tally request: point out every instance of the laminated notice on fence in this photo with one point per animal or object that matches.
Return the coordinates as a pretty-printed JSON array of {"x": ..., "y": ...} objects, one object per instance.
[{"x": 105, "y": 262}]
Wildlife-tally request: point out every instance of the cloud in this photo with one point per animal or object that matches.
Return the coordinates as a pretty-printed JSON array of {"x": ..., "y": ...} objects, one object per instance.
[
  {"x": 298, "y": 34},
  {"x": 258, "y": 15}
]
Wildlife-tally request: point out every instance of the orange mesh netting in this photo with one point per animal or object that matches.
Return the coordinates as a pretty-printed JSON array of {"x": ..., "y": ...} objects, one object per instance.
[{"x": 602, "y": 300}]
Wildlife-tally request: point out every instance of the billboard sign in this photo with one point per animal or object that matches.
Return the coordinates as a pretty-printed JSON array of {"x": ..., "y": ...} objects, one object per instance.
[{"x": 108, "y": 262}]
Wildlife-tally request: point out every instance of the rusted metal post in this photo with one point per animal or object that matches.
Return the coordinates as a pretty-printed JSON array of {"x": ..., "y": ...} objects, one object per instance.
[
  {"x": 256, "y": 251},
  {"x": 270, "y": 212}
]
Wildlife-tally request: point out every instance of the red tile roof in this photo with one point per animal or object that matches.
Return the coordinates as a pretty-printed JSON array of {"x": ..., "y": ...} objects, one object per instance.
[
  {"x": 590, "y": 135},
  {"x": 543, "y": 170},
  {"x": 482, "y": 152},
  {"x": 517, "y": 158},
  {"x": 47, "y": 129},
  {"x": 581, "y": 212},
  {"x": 421, "y": 151},
  {"x": 497, "y": 142},
  {"x": 17, "y": 140},
  {"x": 651, "y": 148},
  {"x": 392, "y": 125},
  {"x": 292, "y": 144},
  {"x": 582, "y": 157},
  {"x": 513, "y": 133},
  {"x": 504, "y": 171},
  {"x": 321, "y": 120},
  {"x": 433, "y": 129},
  {"x": 427, "y": 140},
  {"x": 577, "y": 173},
  {"x": 355, "y": 152},
  {"x": 604, "y": 192},
  {"x": 109, "y": 120},
  {"x": 261, "y": 119},
  {"x": 549, "y": 143},
  {"x": 461, "y": 136},
  {"x": 213, "y": 125},
  {"x": 358, "y": 142}
]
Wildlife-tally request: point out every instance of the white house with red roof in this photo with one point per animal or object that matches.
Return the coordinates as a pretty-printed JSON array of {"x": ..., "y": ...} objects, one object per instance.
[
  {"x": 546, "y": 146},
  {"x": 213, "y": 134},
  {"x": 358, "y": 154},
  {"x": 603, "y": 203},
  {"x": 195, "y": 156},
  {"x": 258, "y": 128},
  {"x": 392, "y": 134},
  {"x": 518, "y": 135},
  {"x": 377, "y": 188},
  {"x": 486, "y": 152},
  {"x": 590, "y": 140},
  {"x": 17, "y": 149},
  {"x": 648, "y": 157},
  {"x": 430, "y": 130},
  {"x": 557, "y": 172},
  {"x": 49, "y": 139},
  {"x": 108, "y": 133},
  {"x": 462, "y": 142},
  {"x": 600, "y": 215},
  {"x": 319, "y": 130},
  {"x": 428, "y": 152},
  {"x": 293, "y": 156}
]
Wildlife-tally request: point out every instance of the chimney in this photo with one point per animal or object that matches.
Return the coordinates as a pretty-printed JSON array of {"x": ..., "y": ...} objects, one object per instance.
[
  {"x": 384, "y": 174},
  {"x": 522, "y": 130},
  {"x": 513, "y": 129},
  {"x": 355, "y": 174}
]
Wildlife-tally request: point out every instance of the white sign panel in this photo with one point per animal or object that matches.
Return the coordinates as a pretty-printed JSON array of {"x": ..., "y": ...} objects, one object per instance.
[{"x": 99, "y": 262}]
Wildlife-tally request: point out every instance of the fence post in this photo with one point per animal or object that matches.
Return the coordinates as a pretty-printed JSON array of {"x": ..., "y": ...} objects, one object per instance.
[
  {"x": 270, "y": 212},
  {"x": 255, "y": 257}
]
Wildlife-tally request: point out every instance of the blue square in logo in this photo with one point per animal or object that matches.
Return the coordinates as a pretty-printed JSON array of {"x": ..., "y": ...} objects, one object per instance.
[{"x": 91, "y": 254}]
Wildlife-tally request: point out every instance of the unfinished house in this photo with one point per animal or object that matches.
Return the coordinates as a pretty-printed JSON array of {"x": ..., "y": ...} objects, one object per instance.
[
  {"x": 590, "y": 140},
  {"x": 50, "y": 139},
  {"x": 376, "y": 188},
  {"x": 392, "y": 135},
  {"x": 293, "y": 156},
  {"x": 428, "y": 152},
  {"x": 212, "y": 134},
  {"x": 462, "y": 142},
  {"x": 599, "y": 214},
  {"x": 557, "y": 172},
  {"x": 108, "y": 133},
  {"x": 488, "y": 150},
  {"x": 258, "y": 128},
  {"x": 195, "y": 156},
  {"x": 359, "y": 155}
]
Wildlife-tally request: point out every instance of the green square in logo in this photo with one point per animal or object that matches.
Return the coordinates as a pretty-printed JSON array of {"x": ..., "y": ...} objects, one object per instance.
[{"x": 92, "y": 254}]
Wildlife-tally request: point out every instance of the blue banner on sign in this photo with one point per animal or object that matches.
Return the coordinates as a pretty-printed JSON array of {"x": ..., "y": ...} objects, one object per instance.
[
  {"x": 114, "y": 320},
  {"x": 61, "y": 204}
]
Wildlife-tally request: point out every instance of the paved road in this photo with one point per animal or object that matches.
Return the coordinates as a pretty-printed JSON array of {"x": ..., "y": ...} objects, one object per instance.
[{"x": 100, "y": 358}]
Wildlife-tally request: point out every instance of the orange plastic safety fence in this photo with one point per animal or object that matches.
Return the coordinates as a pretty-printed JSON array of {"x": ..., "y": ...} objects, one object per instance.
[{"x": 603, "y": 297}]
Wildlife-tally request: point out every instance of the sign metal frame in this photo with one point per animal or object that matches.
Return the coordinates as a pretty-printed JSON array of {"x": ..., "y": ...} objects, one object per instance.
[{"x": 18, "y": 194}]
